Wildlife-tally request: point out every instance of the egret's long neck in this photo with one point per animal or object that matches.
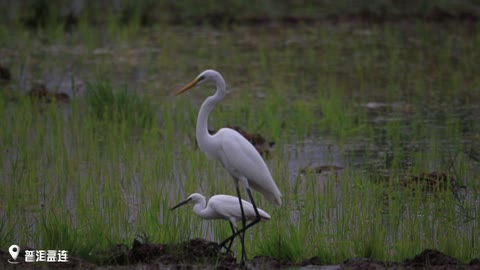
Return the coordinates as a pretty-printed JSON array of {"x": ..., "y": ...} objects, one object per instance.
[
  {"x": 200, "y": 209},
  {"x": 203, "y": 137}
]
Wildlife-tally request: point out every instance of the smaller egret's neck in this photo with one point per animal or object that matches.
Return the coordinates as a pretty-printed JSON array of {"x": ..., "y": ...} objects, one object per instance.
[{"x": 199, "y": 208}]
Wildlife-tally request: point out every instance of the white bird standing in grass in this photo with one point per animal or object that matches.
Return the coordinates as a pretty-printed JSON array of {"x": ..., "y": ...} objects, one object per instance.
[
  {"x": 223, "y": 207},
  {"x": 237, "y": 155}
]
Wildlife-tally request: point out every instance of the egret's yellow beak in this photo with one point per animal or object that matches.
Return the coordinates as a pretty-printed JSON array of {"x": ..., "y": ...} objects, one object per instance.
[{"x": 186, "y": 87}]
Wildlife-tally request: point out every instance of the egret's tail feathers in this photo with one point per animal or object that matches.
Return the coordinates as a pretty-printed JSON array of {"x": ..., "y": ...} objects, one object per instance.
[
  {"x": 278, "y": 201},
  {"x": 265, "y": 218},
  {"x": 269, "y": 190},
  {"x": 275, "y": 198},
  {"x": 263, "y": 215}
]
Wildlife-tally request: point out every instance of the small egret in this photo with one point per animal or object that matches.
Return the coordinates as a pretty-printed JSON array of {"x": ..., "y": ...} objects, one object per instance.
[
  {"x": 223, "y": 207},
  {"x": 237, "y": 155}
]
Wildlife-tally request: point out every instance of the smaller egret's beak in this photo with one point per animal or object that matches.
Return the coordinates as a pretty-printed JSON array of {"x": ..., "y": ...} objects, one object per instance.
[
  {"x": 186, "y": 87},
  {"x": 182, "y": 203}
]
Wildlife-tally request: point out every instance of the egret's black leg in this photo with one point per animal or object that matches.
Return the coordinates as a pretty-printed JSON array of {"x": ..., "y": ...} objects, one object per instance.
[
  {"x": 235, "y": 232},
  {"x": 224, "y": 243},
  {"x": 231, "y": 241},
  {"x": 244, "y": 222},
  {"x": 241, "y": 232},
  {"x": 257, "y": 219}
]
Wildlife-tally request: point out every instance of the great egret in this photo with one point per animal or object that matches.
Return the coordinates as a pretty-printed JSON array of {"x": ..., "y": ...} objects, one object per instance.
[
  {"x": 223, "y": 207},
  {"x": 237, "y": 155}
]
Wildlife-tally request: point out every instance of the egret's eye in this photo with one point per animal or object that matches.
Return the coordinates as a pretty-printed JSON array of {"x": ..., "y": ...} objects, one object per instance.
[{"x": 201, "y": 78}]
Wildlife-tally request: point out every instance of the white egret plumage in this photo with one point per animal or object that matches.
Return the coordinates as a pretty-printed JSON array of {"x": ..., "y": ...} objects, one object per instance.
[
  {"x": 223, "y": 207},
  {"x": 237, "y": 155}
]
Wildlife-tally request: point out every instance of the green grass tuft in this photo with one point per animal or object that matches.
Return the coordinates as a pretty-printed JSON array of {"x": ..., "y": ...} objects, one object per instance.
[{"x": 121, "y": 106}]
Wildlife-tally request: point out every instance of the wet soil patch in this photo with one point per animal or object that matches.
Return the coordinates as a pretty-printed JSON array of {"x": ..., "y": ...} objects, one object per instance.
[
  {"x": 198, "y": 252},
  {"x": 427, "y": 259},
  {"x": 432, "y": 181},
  {"x": 41, "y": 93},
  {"x": 320, "y": 169},
  {"x": 195, "y": 252},
  {"x": 5, "y": 75}
]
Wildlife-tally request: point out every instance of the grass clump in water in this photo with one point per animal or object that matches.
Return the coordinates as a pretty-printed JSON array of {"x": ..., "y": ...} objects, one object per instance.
[
  {"x": 122, "y": 106},
  {"x": 286, "y": 247}
]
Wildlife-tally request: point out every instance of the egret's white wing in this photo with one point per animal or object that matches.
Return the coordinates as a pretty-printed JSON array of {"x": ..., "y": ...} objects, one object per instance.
[
  {"x": 241, "y": 159},
  {"x": 228, "y": 206}
]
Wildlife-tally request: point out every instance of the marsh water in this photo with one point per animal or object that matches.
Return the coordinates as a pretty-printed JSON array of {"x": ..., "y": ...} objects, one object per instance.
[
  {"x": 156, "y": 62},
  {"x": 69, "y": 63}
]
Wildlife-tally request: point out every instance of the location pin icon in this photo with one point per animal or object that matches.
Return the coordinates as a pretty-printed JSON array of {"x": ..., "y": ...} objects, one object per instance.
[{"x": 14, "y": 251}]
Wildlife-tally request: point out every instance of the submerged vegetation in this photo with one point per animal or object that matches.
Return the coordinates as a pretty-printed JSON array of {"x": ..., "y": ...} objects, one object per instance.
[{"x": 394, "y": 106}]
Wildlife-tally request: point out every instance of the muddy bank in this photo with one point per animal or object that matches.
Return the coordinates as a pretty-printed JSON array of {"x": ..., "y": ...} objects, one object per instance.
[
  {"x": 201, "y": 254},
  {"x": 427, "y": 259}
]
